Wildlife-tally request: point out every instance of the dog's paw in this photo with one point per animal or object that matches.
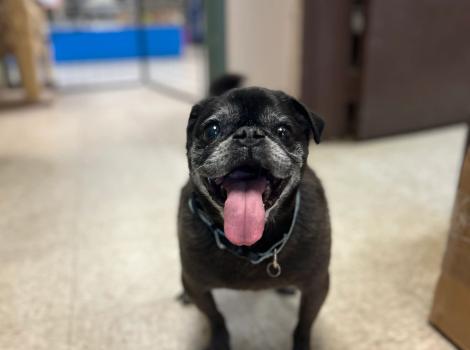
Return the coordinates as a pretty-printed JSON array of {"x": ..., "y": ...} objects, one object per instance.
[
  {"x": 301, "y": 340},
  {"x": 286, "y": 291},
  {"x": 219, "y": 341},
  {"x": 184, "y": 298},
  {"x": 301, "y": 344},
  {"x": 217, "y": 346}
]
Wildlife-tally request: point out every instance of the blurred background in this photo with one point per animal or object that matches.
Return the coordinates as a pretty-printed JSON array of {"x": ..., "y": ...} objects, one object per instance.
[{"x": 94, "y": 100}]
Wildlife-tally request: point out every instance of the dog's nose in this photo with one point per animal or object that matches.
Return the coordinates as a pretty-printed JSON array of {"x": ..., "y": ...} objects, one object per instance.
[{"x": 249, "y": 135}]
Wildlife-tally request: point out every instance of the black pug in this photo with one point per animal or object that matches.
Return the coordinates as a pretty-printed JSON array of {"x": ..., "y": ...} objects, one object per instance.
[{"x": 253, "y": 214}]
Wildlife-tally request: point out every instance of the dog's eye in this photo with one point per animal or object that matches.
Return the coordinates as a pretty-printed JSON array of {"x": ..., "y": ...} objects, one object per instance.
[
  {"x": 282, "y": 132},
  {"x": 211, "y": 131}
]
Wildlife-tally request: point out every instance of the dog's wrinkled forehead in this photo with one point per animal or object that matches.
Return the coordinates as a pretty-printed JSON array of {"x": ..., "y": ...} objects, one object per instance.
[{"x": 254, "y": 106}]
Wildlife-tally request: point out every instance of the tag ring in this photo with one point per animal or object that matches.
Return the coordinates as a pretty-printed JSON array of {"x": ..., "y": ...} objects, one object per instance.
[{"x": 273, "y": 269}]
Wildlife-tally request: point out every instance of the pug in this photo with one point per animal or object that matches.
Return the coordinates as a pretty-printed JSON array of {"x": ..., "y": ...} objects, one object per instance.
[{"x": 253, "y": 215}]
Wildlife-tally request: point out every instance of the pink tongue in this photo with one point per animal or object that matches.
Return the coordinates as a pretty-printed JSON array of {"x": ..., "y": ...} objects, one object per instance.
[{"x": 244, "y": 211}]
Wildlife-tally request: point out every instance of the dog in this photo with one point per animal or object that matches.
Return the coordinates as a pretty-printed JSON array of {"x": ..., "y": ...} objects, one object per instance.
[{"x": 253, "y": 215}]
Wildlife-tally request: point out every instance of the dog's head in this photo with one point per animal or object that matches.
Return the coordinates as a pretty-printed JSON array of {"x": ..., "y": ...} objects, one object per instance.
[{"x": 246, "y": 152}]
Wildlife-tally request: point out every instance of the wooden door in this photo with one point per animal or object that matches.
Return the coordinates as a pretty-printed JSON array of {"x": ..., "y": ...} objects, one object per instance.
[{"x": 415, "y": 66}]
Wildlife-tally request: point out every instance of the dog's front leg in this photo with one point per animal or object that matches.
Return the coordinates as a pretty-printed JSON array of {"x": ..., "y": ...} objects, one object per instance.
[
  {"x": 204, "y": 300},
  {"x": 311, "y": 301}
]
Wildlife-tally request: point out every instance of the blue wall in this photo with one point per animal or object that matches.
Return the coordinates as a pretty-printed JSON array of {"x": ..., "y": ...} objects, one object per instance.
[{"x": 115, "y": 43}]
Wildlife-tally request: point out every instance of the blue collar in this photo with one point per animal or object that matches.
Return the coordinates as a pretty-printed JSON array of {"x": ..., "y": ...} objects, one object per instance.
[{"x": 243, "y": 252}]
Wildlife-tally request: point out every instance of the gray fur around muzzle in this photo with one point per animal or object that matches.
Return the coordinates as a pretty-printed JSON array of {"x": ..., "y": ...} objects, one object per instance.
[{"x": 231, "y": 154}]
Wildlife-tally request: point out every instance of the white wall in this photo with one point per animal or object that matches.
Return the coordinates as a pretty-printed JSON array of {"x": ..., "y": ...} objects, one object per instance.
[{"x": 264, "y": 42}]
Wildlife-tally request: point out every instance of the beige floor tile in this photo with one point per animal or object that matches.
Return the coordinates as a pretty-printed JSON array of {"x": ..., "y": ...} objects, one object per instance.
[
  {"x": 38, "y": 335},
  {"x": 35, "y": 298}
]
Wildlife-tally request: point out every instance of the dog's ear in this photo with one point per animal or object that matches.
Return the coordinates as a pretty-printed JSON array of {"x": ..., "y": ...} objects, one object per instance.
[
  {"x": 316, "y": 122},
  {"x": 193, "y": 117}
]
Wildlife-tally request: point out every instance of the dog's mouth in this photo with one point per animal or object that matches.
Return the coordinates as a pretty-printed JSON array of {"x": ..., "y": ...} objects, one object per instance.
[
  {"x": 271, "y": 193},
  {"x": 246, "y": 193}
]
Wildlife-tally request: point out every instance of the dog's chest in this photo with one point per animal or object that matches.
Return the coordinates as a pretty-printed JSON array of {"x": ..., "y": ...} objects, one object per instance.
[{"x": 221, "y": 269}]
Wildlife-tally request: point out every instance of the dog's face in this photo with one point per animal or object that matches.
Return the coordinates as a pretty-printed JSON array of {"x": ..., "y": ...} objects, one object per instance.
[{"x": 246, "y": 151}]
